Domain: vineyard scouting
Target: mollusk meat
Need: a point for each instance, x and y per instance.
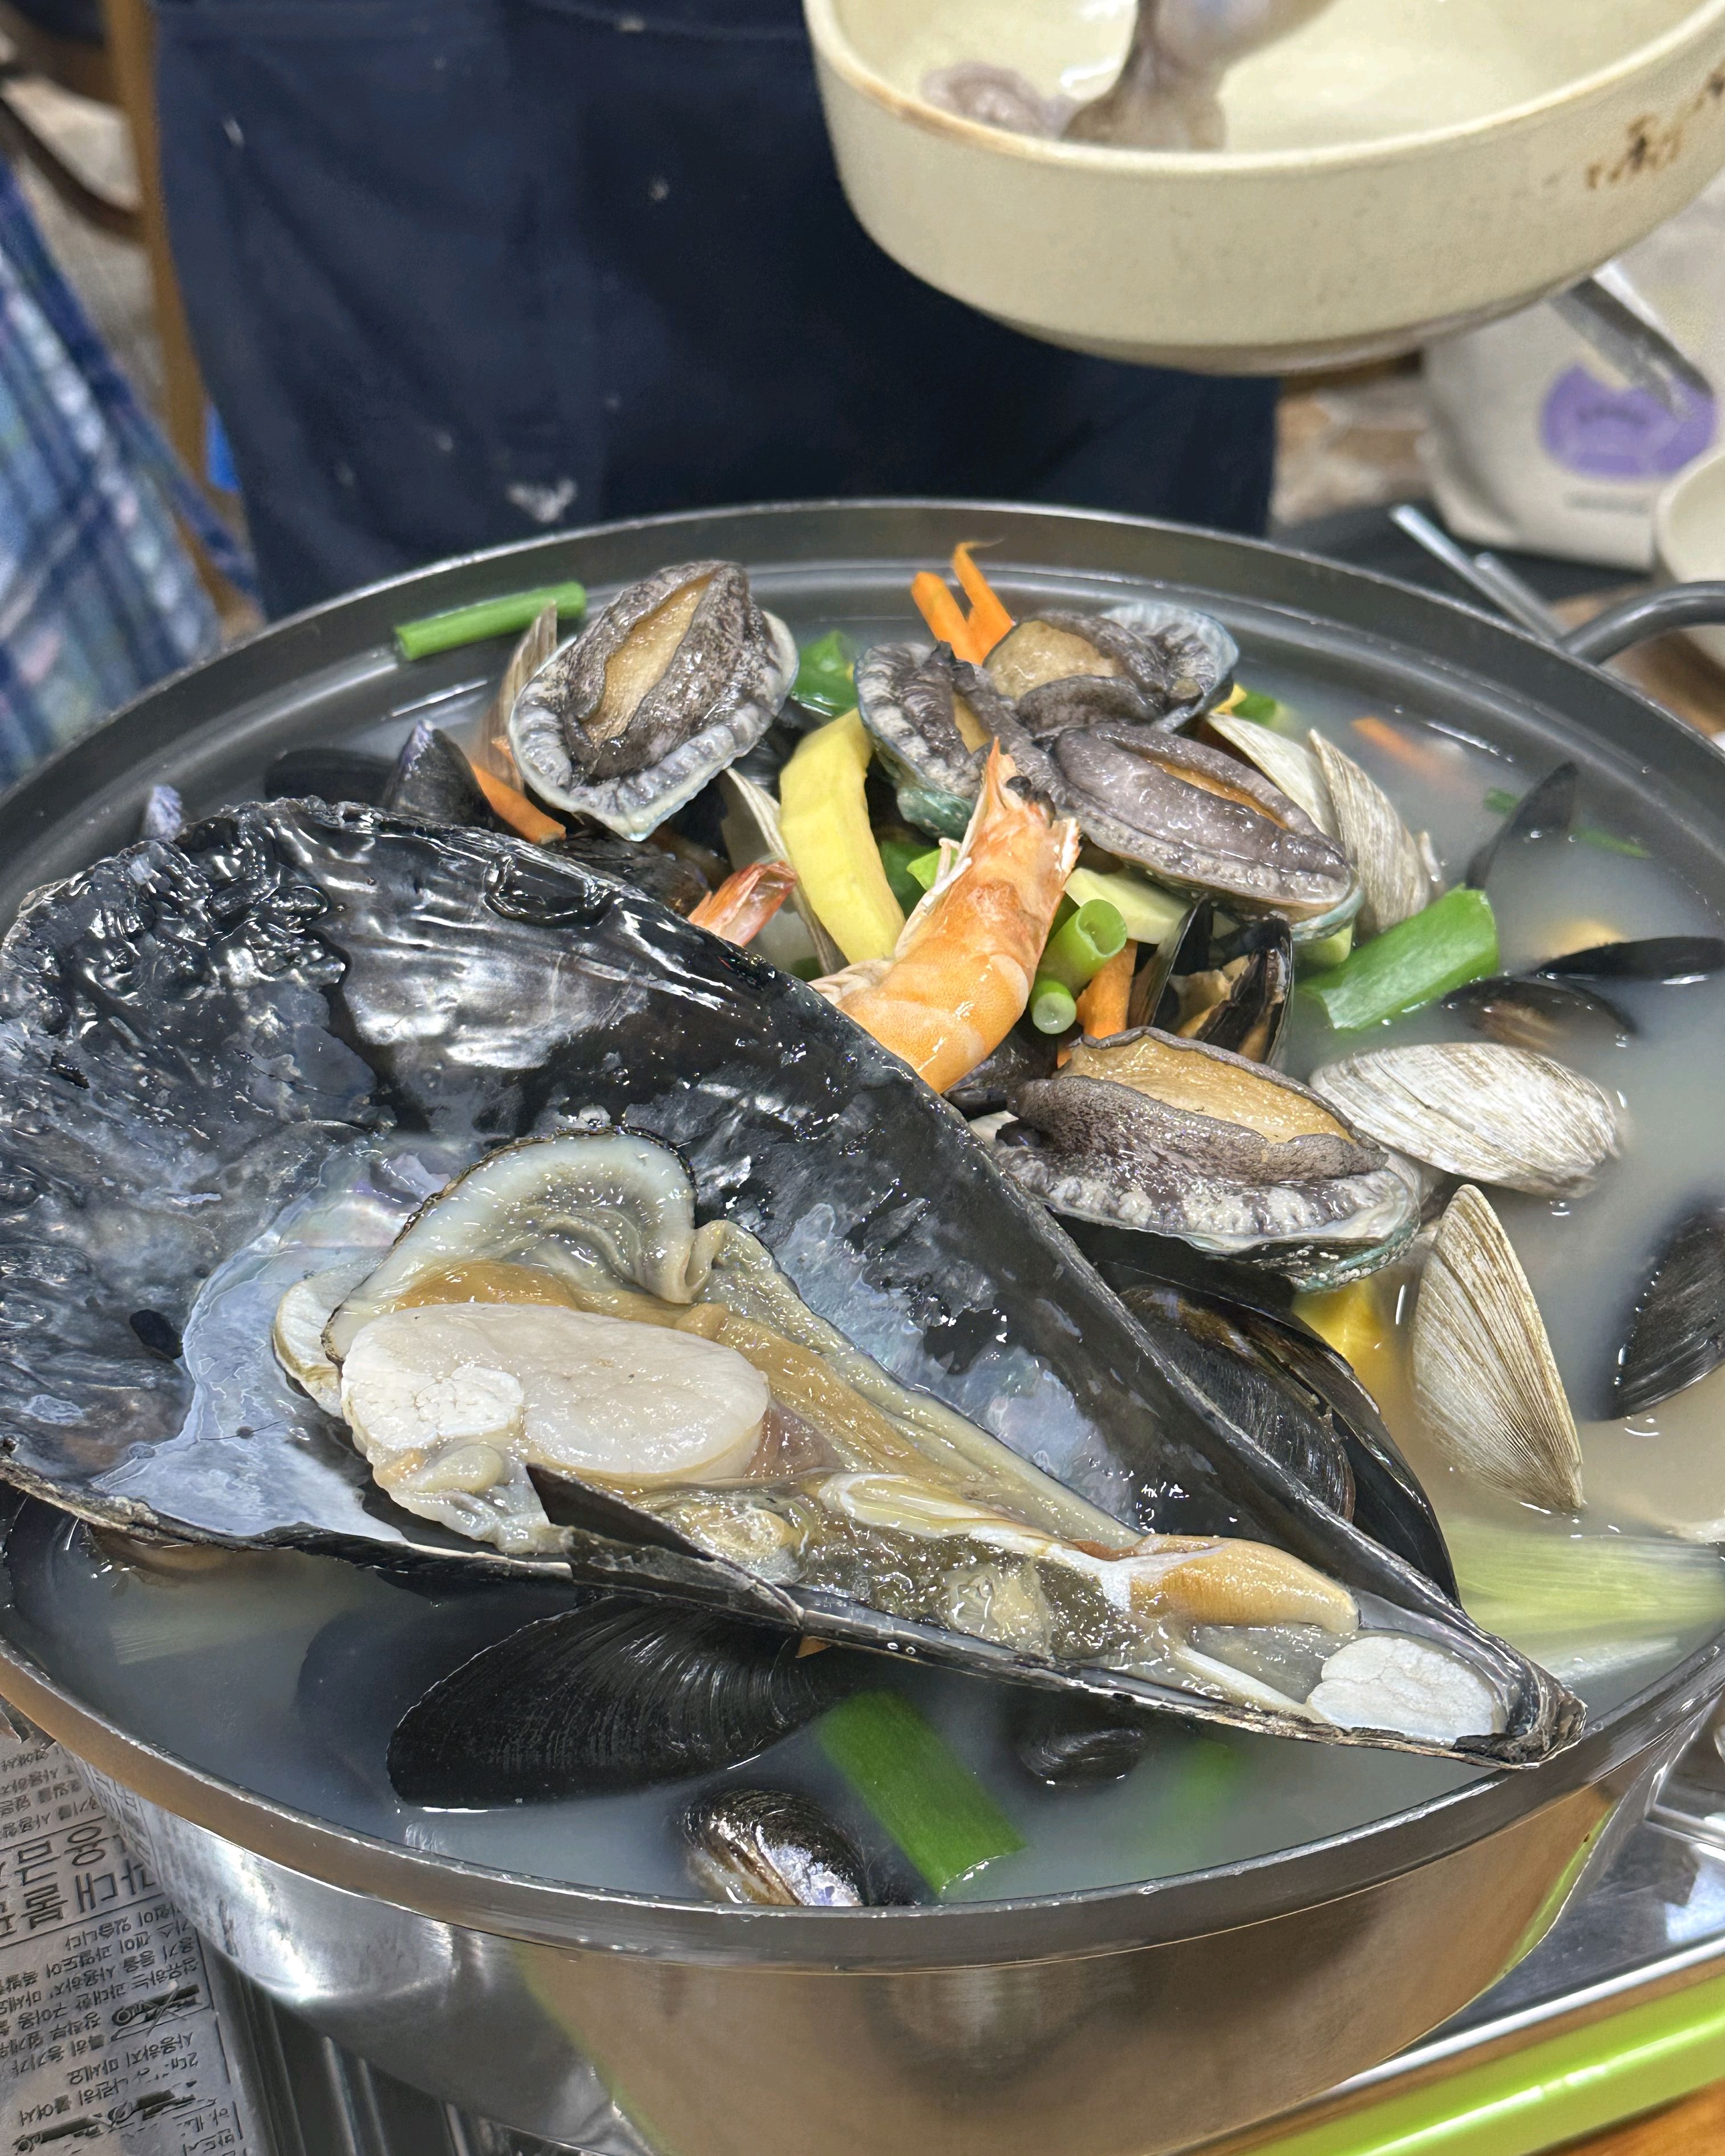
(1150, 1132)
(971, 1452)
(1478, 1109)
(680, 675)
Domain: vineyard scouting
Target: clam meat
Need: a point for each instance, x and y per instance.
(1478, 1109)
(682, 674)
(1176, 1138)
(850, 1384)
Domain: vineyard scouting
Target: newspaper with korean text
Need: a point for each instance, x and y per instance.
(110, 2037)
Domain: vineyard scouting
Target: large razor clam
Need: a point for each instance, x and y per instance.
(198, 1038)
(680, 675)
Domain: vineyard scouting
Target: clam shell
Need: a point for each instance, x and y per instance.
(1485, 1379)
(718, 694)
(189, 1033)
(1493, 1114)
(1287, 764)
(1394, 874)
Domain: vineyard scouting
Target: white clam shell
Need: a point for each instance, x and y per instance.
(1494, 1114)
(1392, 867)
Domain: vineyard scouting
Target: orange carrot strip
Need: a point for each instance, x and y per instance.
(989, 621)
(1102, 1007)
(941, 611)
(516, 809)
(744, 903)
(1415, 754)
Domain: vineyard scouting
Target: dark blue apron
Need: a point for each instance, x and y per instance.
(460, 270)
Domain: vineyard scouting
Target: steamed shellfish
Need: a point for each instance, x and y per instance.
(680, 675)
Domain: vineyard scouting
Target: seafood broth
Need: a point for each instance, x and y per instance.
(266, 1668)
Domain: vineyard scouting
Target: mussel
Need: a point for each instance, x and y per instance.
(678, 676)
(772, 1849)
(1066, 1740)
(250, 1010)
(1676, 1332)
(1545, 811)
(617, 1695)
(1497, 1115)
(1229, 990)
(432, 783)
(1528, 1011)
(1177, 1138)
(1671, 958)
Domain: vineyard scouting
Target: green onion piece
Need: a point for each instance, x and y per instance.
(1149, 911)
(1053, 1007)
(473, 624)
(896, 855)
(926, 1799)
(923, 869)
(1499, 802)
(1413, 963)
(1324, 953)
(1558, 1594)
(826, 675)
(1254, 705)
(1093, 934)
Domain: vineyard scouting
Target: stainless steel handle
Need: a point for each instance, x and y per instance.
(1650, 614)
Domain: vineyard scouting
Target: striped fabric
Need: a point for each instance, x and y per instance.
(98, 596)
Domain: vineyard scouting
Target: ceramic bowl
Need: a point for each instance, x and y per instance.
(1396, 169)
(1689, 537)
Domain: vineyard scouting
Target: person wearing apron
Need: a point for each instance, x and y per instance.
(464, 271)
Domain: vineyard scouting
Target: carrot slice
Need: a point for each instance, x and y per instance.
(989, 621)
(942, 612)
(1417, 756)
(1102, 1007)
(516, 809)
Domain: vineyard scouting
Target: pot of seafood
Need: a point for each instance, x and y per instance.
(831, 1359)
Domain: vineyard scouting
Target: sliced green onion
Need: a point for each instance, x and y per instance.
(1149, 911)
(826, 675)
(1080, 945)
(896, 855)
(473, 624)
(1552, 1592)
(1253, 704)
(923, 868)
(1453, 941)
(925, 1798)
(1501, 802)
(1053, 1007)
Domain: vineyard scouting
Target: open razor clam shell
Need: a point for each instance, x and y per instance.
(188, 1034)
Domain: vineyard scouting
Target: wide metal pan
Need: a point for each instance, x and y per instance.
(1121, 2022)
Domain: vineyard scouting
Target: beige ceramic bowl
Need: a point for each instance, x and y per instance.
(1689, 537)
(1396, 169)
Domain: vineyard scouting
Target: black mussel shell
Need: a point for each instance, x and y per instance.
(1024, 1053)
(432, 783)
(614, 1698)
(1218, 1353)
(1532, 1013)
(329, 771)
(1545, 811)
(772, 1849)
(1676, 1336)
(1250, 1019)
(1646, 959)
(1062, 1738)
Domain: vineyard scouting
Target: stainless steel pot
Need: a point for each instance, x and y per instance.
(1116, 2023)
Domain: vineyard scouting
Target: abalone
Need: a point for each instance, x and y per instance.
(682, 674)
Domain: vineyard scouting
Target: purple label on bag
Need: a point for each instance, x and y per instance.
(1603, 432)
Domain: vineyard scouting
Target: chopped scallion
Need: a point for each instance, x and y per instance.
(1453, 941)
(925, 1797)
(826, 675)
(1499, 802)
(473, 624)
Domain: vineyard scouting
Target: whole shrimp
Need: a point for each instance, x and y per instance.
(962, 970)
